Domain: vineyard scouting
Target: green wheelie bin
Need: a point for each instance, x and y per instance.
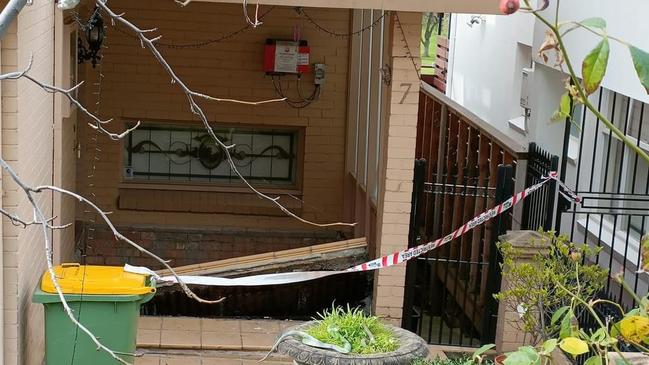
(104, 299)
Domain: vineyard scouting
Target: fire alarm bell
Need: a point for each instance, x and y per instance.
(286, 57)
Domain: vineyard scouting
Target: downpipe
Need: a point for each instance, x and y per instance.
(9, 14)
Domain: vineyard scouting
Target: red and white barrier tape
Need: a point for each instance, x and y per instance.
(385, 261)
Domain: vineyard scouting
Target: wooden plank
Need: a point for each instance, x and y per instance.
(439, 84)
(463, 297)
(471, 172)
(421, 120)
(441, 52)
(450, 171)
(442, 42)
(417, 6)
(518, 150)
(432, 168)
(258, 260)
(460, 182)
(480, 206)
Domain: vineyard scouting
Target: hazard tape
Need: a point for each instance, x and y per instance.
(382, 262)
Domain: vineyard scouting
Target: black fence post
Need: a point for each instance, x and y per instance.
(547, 226)
(539, 209)
(408, 320)
(504, 191)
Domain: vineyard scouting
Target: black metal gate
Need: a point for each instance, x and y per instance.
(538, 209)
(449, 291)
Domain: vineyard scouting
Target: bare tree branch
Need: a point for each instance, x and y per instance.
(20, 222)
(96, 123)
(149, 43)
(40, 219)
(120, 237)
(254, 23)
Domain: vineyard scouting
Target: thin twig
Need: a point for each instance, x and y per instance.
(96, 123)
(149, 43)
(20, 222)
(120, 237)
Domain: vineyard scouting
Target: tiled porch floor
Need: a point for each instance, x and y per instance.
(208, 334)
(203, 341)
(202, 358)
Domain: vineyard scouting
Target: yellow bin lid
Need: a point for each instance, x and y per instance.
(88, 279)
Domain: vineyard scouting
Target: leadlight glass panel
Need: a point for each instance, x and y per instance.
(188, 154)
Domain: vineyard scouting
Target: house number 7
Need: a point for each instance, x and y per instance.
(408, 86)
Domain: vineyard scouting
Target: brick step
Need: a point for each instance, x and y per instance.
(208, 357)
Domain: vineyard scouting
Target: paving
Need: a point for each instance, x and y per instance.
(205, 341)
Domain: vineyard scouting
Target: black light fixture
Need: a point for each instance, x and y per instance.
(94, 37)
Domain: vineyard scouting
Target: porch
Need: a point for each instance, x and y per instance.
(335, 151)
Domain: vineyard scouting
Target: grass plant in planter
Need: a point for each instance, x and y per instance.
(347, 337)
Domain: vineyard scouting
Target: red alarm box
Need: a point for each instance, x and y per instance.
(286, 57)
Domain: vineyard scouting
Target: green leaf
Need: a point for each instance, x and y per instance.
(556, 316)
(574, 346)
(566, 325)
(525, 355)
(564, 108)
(594, 23)
(615, 330)
(482, 350)
(595, 360)
(594, 66)
(549, 346)
(599, 335)
(641, 64)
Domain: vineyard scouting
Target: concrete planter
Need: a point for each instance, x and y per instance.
(634, 358)
(412, 347)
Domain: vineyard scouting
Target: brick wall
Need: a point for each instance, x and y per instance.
(185, 246)
(136, 87)
(394, 210)
(27, 144)
(9, 198)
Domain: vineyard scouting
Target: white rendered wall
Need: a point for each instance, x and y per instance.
(626, 20)
(486, 64)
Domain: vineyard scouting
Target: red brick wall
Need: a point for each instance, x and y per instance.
(189, 246)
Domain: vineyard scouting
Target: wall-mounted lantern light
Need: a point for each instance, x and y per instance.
(94, 33)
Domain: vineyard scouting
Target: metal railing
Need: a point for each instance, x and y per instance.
(613, 183)
(464, 167)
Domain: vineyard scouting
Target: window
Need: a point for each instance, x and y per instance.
(626, 174)
(182, 154)
(576, 121)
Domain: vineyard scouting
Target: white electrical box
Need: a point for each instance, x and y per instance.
(525, 87)
(319, 73)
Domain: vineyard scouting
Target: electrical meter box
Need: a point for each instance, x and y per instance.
(286, 57)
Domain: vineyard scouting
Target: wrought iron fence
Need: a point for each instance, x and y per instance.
(613, 184)
(463, 169)
(538, 208)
